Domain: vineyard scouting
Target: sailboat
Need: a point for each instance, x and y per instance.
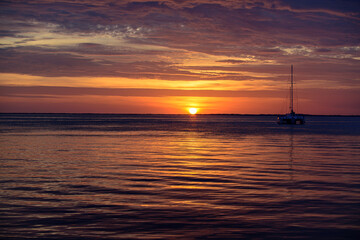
(292, 117)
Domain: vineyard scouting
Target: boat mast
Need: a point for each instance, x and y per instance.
(291, 91)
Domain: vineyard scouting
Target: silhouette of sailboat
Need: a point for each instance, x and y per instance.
(292, 117)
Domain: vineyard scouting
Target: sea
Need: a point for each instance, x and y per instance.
(116, 176)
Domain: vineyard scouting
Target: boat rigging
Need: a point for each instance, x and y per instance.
(292, 117)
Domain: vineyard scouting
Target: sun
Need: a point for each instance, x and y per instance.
(193, 111)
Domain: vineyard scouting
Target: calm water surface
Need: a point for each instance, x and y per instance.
(68, 176)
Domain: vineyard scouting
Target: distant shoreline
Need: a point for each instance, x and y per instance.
(220, 114)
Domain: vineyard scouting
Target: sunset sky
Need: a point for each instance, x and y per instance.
(165, 56)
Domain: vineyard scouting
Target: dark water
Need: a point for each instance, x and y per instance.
(65, 176)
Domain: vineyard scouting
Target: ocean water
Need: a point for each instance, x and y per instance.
(93, 176)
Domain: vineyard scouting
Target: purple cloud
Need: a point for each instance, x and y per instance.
(184, 40)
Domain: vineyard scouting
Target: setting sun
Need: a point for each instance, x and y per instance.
(193, 110)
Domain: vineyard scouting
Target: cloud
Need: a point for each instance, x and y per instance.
(339, 6)
(232, 61)
(243, 21)
(44, 62)
(252, 40)
(96, 60)
(36, 91)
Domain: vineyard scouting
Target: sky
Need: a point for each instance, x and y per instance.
(166, 56)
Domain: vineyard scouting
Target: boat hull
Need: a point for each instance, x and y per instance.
(294, 119)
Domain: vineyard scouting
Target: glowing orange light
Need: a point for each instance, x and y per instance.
(193, 110)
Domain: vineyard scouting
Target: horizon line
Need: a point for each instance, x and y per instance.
(243, 114)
